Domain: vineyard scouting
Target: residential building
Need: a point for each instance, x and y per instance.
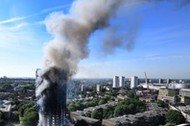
(134, 82)
(82, 88)
(115, 82)
(121, 81)
(98, 88)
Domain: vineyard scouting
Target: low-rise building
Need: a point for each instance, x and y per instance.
(154, 117)
(75, 117)
(185, 96)
(166, 94)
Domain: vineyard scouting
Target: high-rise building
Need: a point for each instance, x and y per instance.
(121, 81)
(115, 82)
(168, 81)
(98, 88)
(134, 82)
(51, 100)
(82, 88)
(160, 81)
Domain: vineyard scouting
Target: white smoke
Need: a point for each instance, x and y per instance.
(72, 31)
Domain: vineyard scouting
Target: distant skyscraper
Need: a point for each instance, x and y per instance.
(134, 82)
(115, 82)
(98, 88)
(121, 81)
(82, 88)
(168, 81)
(160, 81)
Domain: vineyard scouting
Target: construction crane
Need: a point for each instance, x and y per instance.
(146, 81)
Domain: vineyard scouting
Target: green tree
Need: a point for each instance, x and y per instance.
(88, 114)
(78, 106)
(97, 114)
(132, 108)
(162, 104)
(112, 98)
(173, 116)
(102, 101)
(169, 124)
(129, 106)
(29, 119)
(71, 107)
(90, 103)
(119, 110)
(131, 94)
(108, 112)
(28, 115)
(75, 106)
(24, 107)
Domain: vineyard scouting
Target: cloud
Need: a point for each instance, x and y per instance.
(159, 57)
(9, 28)
(54, 8)
(19, 26)
(12, 20)
(15, 37)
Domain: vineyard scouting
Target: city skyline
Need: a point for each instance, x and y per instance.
(161, 40)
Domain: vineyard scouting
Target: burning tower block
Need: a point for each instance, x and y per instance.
(51, 88)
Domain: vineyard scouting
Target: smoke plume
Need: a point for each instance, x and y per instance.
(183, 3)
(71, 32)
(113, 38)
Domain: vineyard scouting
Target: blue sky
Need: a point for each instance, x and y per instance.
(162, 44)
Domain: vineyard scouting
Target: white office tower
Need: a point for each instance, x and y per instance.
(160, 81)
(134, 82)
(115, 82)
(82, 88)
(168, 81)
(121, 81)
(98, 88)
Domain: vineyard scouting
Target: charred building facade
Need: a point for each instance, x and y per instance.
(51, 93)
